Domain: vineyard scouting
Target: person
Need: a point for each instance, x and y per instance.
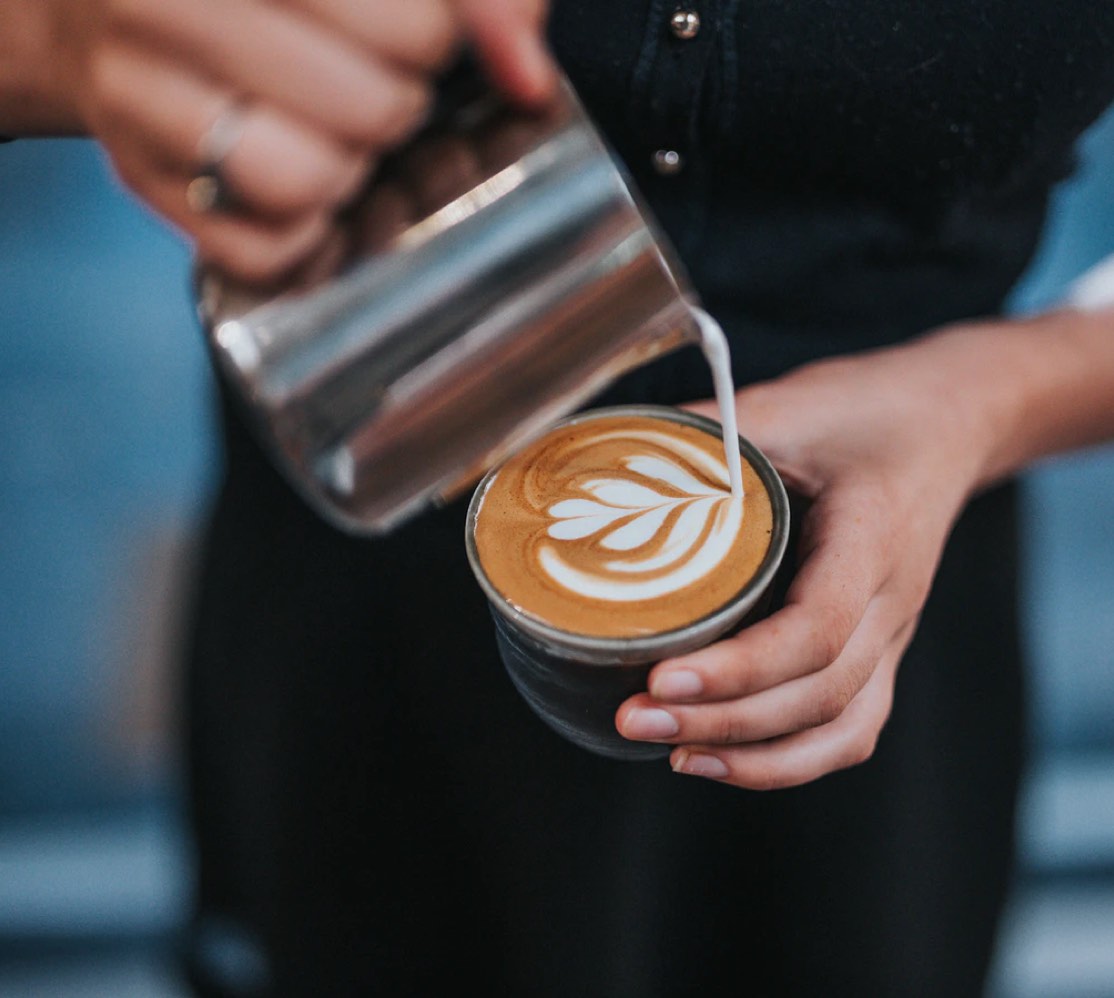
(854, 189)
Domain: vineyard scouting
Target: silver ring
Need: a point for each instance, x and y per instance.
(208, 191)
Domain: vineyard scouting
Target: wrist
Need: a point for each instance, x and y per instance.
(36, 96)
(1030, 388)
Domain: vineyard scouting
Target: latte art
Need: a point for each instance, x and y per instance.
(677, 527)
(622, 526)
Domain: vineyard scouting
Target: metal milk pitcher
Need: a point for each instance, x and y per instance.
(496, 273)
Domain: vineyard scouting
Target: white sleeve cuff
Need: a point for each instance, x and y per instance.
(1094, 290)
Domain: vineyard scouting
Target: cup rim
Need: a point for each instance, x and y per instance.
(599, 649)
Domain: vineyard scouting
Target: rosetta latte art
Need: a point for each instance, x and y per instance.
(658, 529)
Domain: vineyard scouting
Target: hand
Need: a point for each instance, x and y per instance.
(320, 90)
(887, 447)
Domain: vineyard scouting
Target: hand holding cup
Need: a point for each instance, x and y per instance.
(886, 448)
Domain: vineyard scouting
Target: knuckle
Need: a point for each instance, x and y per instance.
(299, 194)
(223, 254)
(728, 729)
(828, 707)
(833, 701)
(304, 188)
(240, 253)
(831, 624)
(861, 749)
(827, 631)
(395, 113)
(764, 777)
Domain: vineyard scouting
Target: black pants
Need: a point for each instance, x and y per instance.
(377, 813)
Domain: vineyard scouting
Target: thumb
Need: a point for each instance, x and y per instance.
(509, 36)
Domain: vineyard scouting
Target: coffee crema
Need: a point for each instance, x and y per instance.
(622, 526)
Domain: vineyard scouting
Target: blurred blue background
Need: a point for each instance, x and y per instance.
(107, 457)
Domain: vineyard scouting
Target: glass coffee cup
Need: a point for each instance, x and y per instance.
(574, 681)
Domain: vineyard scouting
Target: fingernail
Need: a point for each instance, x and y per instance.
(681, 684)
(649, 723)
(694, 764)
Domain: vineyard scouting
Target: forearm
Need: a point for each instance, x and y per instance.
(1033, 387)
(34, 99)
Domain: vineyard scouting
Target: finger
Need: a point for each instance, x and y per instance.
(281, 57)
(808, 702)
(842, 547)
(277, 164)
(249, 247)
(807, 755)
(508, 34)
(419, 35)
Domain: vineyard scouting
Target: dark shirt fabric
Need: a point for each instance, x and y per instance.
(855, 173)
(376, 810)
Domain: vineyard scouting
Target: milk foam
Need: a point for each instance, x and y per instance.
(665, 541)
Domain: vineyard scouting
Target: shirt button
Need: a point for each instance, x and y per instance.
(667, 162)
(685, 24)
